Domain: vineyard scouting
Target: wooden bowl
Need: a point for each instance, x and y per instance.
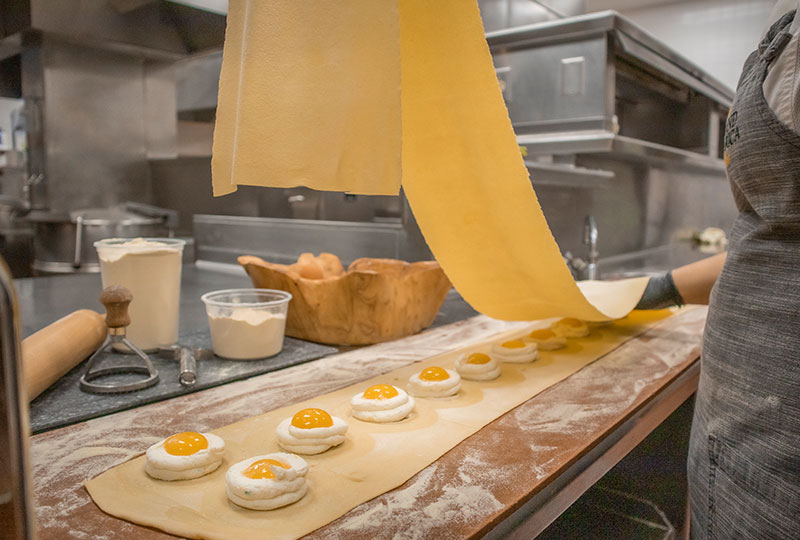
(375, 300)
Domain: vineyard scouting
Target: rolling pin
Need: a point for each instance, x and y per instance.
(51, 352)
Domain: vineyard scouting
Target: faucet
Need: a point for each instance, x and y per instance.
(585, 269)
(590, 239)
(27, 190)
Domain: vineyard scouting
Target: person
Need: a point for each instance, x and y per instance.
(744, 450)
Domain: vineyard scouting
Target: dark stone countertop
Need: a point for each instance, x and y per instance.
(46, 299)
(43, 300)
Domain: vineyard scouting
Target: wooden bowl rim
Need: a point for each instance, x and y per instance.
(404, 268)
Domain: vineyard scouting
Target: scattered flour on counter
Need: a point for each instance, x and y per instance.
(411, 513)
(394, 503)
(461, 500)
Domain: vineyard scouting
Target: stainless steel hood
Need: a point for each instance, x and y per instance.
(152, 28)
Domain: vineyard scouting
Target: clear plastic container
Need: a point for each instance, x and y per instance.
(247, 324)
(151, 269)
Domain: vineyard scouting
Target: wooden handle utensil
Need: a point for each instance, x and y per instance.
(51, 352)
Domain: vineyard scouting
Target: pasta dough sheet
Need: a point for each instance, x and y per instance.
(374, 459)
(466, 181)
(310, 95)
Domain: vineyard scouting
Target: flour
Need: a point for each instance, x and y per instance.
(247, 334)
(460, 500)
(151, 271)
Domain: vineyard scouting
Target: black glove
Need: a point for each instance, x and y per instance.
(660, 293)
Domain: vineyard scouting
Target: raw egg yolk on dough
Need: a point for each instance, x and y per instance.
(514, 344)
(569, 321)
(185, 444)
(312, 418)
(434, 374)
(478, 358)
(260, 469)
(542, 334)
(380, 391)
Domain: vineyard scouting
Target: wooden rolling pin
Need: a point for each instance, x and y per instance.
(51, 352)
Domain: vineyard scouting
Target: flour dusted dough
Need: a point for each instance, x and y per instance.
(357, 471)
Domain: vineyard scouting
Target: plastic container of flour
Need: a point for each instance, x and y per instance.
(247, 324)
(151, 269)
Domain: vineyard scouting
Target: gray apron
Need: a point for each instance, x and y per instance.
(744, 456)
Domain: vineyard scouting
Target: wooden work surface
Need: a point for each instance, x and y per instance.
(464, 494)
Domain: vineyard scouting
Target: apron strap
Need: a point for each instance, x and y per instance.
(777, 37)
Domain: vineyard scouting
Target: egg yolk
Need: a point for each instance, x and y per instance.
(542, 334)
(569, 321)
(312, 418)
(434, 374)
(514, 344)
(261, 469)
(478, 358)
(380, 391)
(185, 444)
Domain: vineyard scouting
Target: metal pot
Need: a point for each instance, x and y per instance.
(63, 243)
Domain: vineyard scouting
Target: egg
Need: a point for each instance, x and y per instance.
(570, 328)
(434, 381)
(382, 403)
(515, 351)
(546, 340)
(477, 367)
(267, 482)
(184, 456)
(311, 431)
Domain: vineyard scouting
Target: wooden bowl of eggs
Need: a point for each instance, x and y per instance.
(374, 300)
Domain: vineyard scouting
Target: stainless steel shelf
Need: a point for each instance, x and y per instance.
(596, 142)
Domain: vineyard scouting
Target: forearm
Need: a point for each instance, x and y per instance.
(690, 284)
(694, 281)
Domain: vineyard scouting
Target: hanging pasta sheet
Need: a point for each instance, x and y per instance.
(338, 95)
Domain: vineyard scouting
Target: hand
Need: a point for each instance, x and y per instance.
(660, 293)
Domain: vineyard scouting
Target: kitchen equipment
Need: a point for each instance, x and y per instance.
(51, 352)
(247, 324)
(375, 300)
(63, 241)
(187, 358)
(64, 403)
(116, 300)
(16, 508)
(150, 268)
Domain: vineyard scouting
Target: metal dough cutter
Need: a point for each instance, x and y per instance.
(116, 300)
